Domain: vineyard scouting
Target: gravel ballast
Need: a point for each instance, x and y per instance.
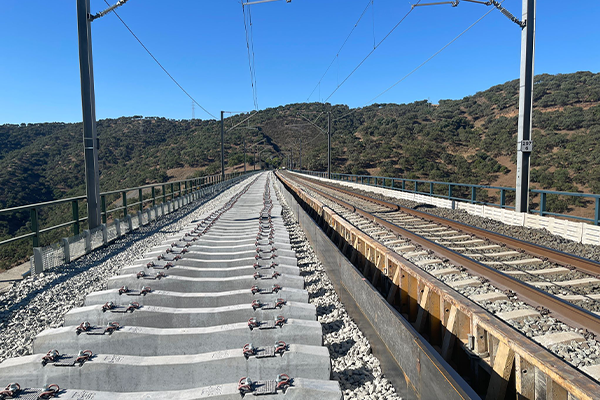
(40, 302)
(353, 365)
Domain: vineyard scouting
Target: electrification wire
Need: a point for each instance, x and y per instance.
(371, 52)
(430, 58)
(160, 65)
(250, 49)
(338, 52)
(236, 125)
(253, 59)
(109, 9)
(373, 14)
(422, 64)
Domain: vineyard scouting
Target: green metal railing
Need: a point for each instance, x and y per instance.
(155, 194)
(466, 192)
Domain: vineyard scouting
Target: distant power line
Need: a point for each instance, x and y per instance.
(159, 64)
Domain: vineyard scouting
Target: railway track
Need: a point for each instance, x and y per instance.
(547, 295)
(218, 310)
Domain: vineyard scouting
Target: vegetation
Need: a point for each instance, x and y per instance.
(472, 140)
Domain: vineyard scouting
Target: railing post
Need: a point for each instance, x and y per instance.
(103, 208)
(164, 189)
(66, 250)
(124, 195)
(450, 194)
(104, 234)
(172, 191)
(473, 194)
(431, 188)
(38, 261)
(597, 211)
(416, 186)
(75, 210)
(403, 184)
(141, 198)
(542, 203)
(87, 240)
(153, 197)
(35, 228)
(502, 198)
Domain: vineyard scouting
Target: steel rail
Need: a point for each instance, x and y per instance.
(561, 309)
(546, 253)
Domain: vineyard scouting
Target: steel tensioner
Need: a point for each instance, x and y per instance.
(14, 391)
(246, 385)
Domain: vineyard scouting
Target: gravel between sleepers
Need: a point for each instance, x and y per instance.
(40, 302)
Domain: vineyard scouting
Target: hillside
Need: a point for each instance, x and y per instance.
(472, 140)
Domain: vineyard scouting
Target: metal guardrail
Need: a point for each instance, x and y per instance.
(451, 188)
(155, 193)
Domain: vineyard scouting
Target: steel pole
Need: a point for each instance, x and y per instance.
(524, 144)
(329, 145)
(244, 155)
(88, 106)
(222, 149)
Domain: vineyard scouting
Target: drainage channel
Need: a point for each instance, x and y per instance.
(217, 311)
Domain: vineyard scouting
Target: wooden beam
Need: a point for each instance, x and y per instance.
(423, 310)
(435, 318)
(524, 379)
(413, 293)
(502, 369)
(391, 297)
(450, 335)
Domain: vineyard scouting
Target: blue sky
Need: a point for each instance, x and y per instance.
(202, 44)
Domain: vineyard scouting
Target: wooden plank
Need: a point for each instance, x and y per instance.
(377, 273)
(524, 379)
(555, 392)
(540, 385)
(503, 365)
(449, 336)
(391, 297)
(435, 319)
(423, 310)
(404, 303)
(413, 290)
(481, 341)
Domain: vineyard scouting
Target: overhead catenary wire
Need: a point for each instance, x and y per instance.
(372, 51)
(369, 4)
(159, 64)
(422, 64)
(250, 48)
(109, 9)
(246, 119)
(432, 56)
